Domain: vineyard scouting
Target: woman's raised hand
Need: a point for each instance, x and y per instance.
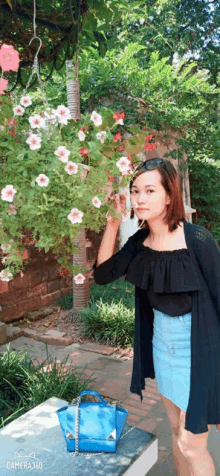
(119, 202)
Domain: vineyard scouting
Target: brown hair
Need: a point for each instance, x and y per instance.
(171, 183)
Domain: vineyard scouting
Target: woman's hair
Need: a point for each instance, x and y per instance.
(169, 179)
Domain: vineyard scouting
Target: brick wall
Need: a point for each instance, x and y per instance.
(40, 284)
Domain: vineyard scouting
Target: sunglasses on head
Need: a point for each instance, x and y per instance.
(150, 164)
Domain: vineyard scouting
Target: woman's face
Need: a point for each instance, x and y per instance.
(148, 193)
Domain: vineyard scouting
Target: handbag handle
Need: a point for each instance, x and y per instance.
(92, 392)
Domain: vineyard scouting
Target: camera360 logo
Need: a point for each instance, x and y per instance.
(25, 462)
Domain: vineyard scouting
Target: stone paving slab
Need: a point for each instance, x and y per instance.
(35, 440)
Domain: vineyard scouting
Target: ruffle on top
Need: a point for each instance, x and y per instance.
(163, 271)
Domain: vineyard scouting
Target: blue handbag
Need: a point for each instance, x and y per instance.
(92, 426)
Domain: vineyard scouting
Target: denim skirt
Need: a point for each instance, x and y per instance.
(172, 356)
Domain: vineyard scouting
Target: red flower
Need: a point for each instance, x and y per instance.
(117, 137)
(151, 146)
(118, 115)
(81, 129)
(108, 171)
(120, 148)
(84, 151)
(149, 137)
(111, 179)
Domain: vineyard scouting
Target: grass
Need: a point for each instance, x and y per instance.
(24, 385)
(108, 318)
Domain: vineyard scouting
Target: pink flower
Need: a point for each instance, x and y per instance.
(84, 151)
(42, 180)
(71, 168)
(18, 110)
(81, 135)
(101, 136)
(96, 202)
(124, 165)
(79, 278)
(63, 153)
(96, 118)
(5, 248)
(5, 276)
(8, 193)
(12, 210)
(37, 121)
(9, 58)
(63, 114)
(25, 101)
(75, 216)
(34, 141)
(3, 85)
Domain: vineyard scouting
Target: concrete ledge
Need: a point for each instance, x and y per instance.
(34, 443)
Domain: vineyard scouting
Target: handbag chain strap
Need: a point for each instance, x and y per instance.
(76, 452)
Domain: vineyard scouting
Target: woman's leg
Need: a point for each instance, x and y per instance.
(173, 413)
(194, 448)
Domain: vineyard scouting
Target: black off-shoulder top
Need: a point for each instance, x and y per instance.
(167, 278)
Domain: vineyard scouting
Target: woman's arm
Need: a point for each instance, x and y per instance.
(113, 267)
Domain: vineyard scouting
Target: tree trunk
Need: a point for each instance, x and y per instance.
(80, 291)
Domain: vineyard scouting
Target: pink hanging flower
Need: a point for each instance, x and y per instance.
(8, 193)
(34, 141)
(37, 121)
(81, 135)
(63, 114)
(124, 165)
(3, 85)
(9, 58)
(96, 202)
(96, 118)
(101, 136)
(42, 180)
(18, 110)
(63, 153)
(71, 168)
(79, 278)
(75, 216)
(25, 101)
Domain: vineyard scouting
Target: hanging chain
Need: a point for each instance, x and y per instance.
(76, 452)
(36, 65)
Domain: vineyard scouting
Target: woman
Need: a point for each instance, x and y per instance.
(175, 267)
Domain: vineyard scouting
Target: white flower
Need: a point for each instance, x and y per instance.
(18, 110)
(63, 114)
(101, 136)
(5, 248)
(120, 121)
(63, 153)
(51, 115)
(123, 164)
(81, 135)
(5, 275)
(79, 278)
(1, 128)
(141, 21)
(8, 193)
(71, 168)
(125, 171)
(108, 216)
(96, 202)
(96, 118)
(37, 121)
(34, 141)
(25, 101)
(126, 216)
(42, 180)
(75, 215)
